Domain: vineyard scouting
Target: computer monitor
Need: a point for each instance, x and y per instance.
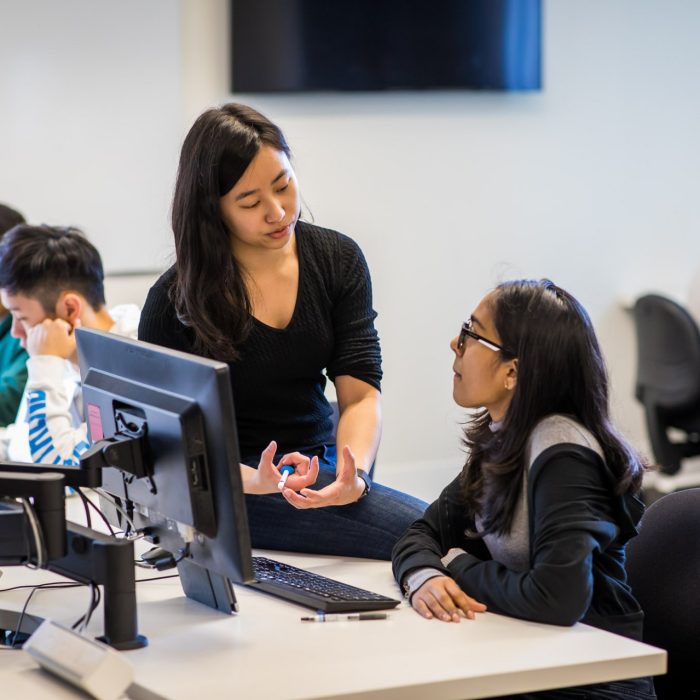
(184, 487)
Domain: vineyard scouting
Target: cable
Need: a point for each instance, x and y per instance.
(35, 588)
(156, 578)
(41, 557)
(87, 502)
(161, 559)
(52, 584)
(111, 499)
(21, 616)
(184, 552)
(84, 620)
(98, 597)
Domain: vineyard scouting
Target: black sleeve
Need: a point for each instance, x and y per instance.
(159, 323)
(443, 525)
(570, 518)
(356, 349)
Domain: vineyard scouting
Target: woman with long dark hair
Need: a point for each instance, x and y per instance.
(282, 301)
(535, 525)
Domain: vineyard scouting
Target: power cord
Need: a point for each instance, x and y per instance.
(95, 598)
(41, 556)
(161, 559)
(87, 503)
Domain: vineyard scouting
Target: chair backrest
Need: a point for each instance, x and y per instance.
(663, 566)
(668, 353)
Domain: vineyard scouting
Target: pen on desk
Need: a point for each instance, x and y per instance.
(322, 617)
(285, 470)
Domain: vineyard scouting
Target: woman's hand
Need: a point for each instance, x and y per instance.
(346, 488)
(442, 598)
(305, 471)
(265, 478)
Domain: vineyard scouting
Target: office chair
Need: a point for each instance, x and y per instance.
(663, 567)
(668, 377)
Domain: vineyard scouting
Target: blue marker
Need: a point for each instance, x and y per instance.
(285, 470)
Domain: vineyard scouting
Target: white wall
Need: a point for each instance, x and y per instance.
(589, 182)
(90, 119)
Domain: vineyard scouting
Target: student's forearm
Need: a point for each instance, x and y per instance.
(53, 435)
(360, 427)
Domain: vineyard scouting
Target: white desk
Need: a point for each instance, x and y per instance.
(267, 652)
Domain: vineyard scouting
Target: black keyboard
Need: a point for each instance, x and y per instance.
(313, 590)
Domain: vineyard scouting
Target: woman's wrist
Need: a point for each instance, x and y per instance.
(253, 481)
(364, 482)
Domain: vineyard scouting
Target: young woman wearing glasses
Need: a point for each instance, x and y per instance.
(285, 303)
(536, 523)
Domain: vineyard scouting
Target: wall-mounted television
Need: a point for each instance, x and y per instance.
(365, 45)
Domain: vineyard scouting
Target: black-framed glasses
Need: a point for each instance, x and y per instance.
(468, 332)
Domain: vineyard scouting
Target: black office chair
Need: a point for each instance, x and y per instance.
(668, 377)
(663, 566)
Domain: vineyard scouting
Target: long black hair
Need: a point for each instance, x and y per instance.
(560, 371)
(208, 291)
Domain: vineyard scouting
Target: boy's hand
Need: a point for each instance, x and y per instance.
(52, 337)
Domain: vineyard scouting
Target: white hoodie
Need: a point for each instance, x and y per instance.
(49, 427)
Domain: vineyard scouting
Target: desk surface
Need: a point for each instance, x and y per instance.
(267, 652)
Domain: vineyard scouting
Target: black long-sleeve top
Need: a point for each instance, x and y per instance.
(578, 529)
(278, 382)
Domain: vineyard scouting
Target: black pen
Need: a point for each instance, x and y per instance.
(322, 617)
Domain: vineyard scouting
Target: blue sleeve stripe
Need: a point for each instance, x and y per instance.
(79, 449)
(36, 400)
(36, 444)
(40, 456)
(40, 441)
(37, 432)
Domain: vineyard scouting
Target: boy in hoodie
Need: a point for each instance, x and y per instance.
(52, 281)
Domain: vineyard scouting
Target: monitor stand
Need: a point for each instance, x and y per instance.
(207, 587)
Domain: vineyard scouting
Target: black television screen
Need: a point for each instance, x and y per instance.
(363, 45)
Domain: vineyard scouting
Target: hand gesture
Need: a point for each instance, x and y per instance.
(267, 475)
(52, 337)
(346, 488)
(305, 471)
(442, 598)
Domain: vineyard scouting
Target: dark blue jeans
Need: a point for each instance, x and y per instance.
(368, 528)
(635, 689)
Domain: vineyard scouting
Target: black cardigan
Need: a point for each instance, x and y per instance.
(578, 529)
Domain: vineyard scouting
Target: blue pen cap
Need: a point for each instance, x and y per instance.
(287, 469)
